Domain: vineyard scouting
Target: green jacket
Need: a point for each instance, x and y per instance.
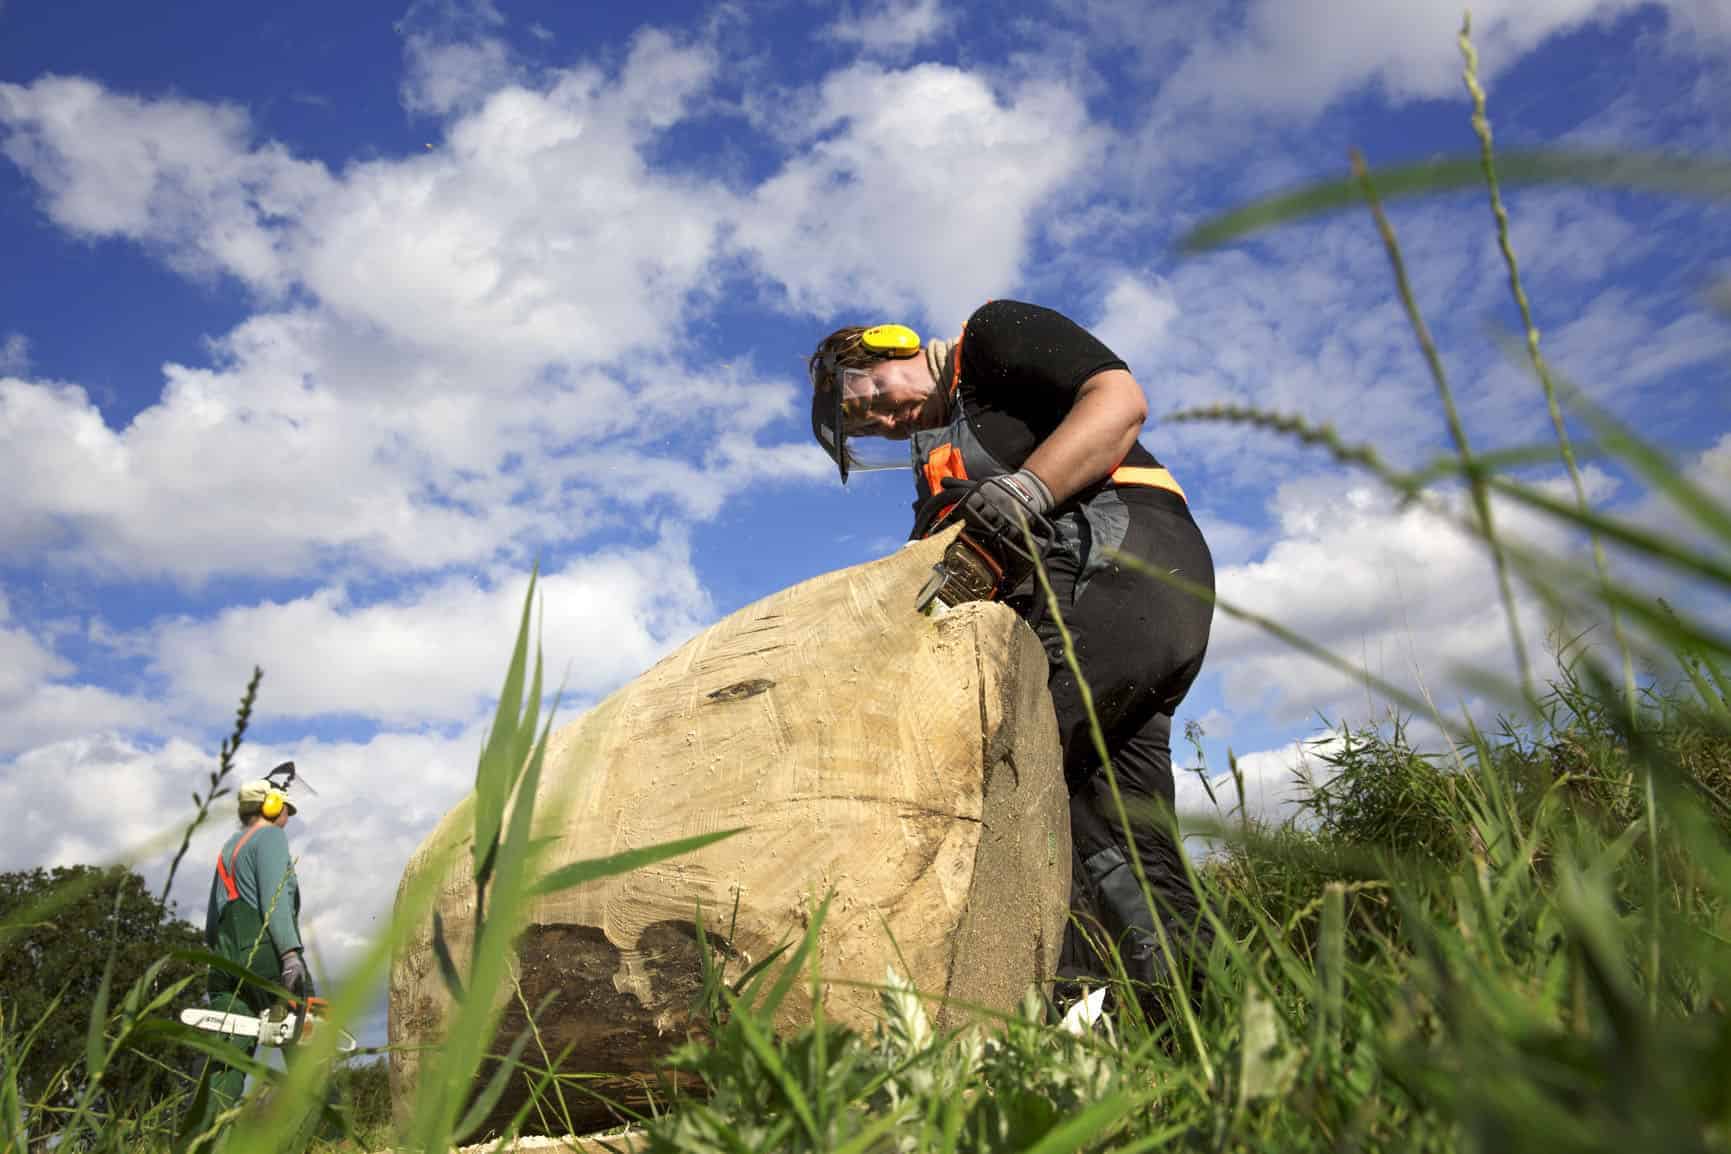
(262, 920)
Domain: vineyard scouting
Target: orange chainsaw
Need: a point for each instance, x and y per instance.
(980, 564)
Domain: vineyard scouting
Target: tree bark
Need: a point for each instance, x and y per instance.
(910, 764)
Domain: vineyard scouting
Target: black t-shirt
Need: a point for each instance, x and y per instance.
(1022, 366)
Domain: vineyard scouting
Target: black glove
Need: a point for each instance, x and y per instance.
(997, 507)
(294, 973)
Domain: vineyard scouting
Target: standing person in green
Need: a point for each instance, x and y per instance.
(253, 921)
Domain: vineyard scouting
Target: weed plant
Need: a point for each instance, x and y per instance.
(1518, 942)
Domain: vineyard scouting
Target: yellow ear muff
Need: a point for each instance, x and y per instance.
(273, 803)
(891, 340)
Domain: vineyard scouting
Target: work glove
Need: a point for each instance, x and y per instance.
(294, 973)
(992, 507)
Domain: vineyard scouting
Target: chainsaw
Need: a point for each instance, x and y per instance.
(977, 565)
(285, 1025)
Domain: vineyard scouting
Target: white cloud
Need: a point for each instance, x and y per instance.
(1273, 782)
(1406, 594)
(914, 191)
(313, 445)
(1699, 25)
(14, 355)
(1137, 316)
(87, 799)
(891, 27)
(538, 233)
(39, 699)
(1714, 468)
(1305, 329)
(1621, 345)
(452, 57)
(1293, 58)
(436, 653)
(263, 466)
(1304, 321)
(446, 77)
(178, 175)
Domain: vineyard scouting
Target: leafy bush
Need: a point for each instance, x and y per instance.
(52, 970)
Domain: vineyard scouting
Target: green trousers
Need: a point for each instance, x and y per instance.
(227, 1083)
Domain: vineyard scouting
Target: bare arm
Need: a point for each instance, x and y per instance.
(1091, 441)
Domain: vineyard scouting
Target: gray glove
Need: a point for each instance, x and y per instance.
(294, 973)
(994, 505)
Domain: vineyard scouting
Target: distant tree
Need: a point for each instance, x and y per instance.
(65, 954)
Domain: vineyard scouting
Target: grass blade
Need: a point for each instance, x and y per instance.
(1086, 1126)
(1637, 172)
(583, 872)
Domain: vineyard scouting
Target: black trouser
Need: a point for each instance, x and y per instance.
(1139, 642)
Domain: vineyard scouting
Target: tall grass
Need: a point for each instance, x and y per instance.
(1518, 941)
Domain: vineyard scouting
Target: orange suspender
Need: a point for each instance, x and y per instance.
(224, 870)
(956, 361)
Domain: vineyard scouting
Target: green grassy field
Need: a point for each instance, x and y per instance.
(1516, 941)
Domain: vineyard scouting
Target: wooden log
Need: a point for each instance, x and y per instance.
(908, 763)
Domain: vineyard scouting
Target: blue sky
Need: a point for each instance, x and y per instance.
(316, 332)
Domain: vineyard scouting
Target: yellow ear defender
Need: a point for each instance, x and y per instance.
(891, 340)
(274, 800)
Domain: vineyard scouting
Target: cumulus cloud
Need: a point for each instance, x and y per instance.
(181, 176)
(1294, 59)
(258, 467)
(1713, 468)
(465, 303)
(308, 447)
(892, 27)
(434, 654)
(40, 699)
(1407, 594)
(452, 55)
(92, 797)
(1273, 782)
(490, 350)
(14, 355)
(1304, 321)
(538, 233)
(914, 191)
